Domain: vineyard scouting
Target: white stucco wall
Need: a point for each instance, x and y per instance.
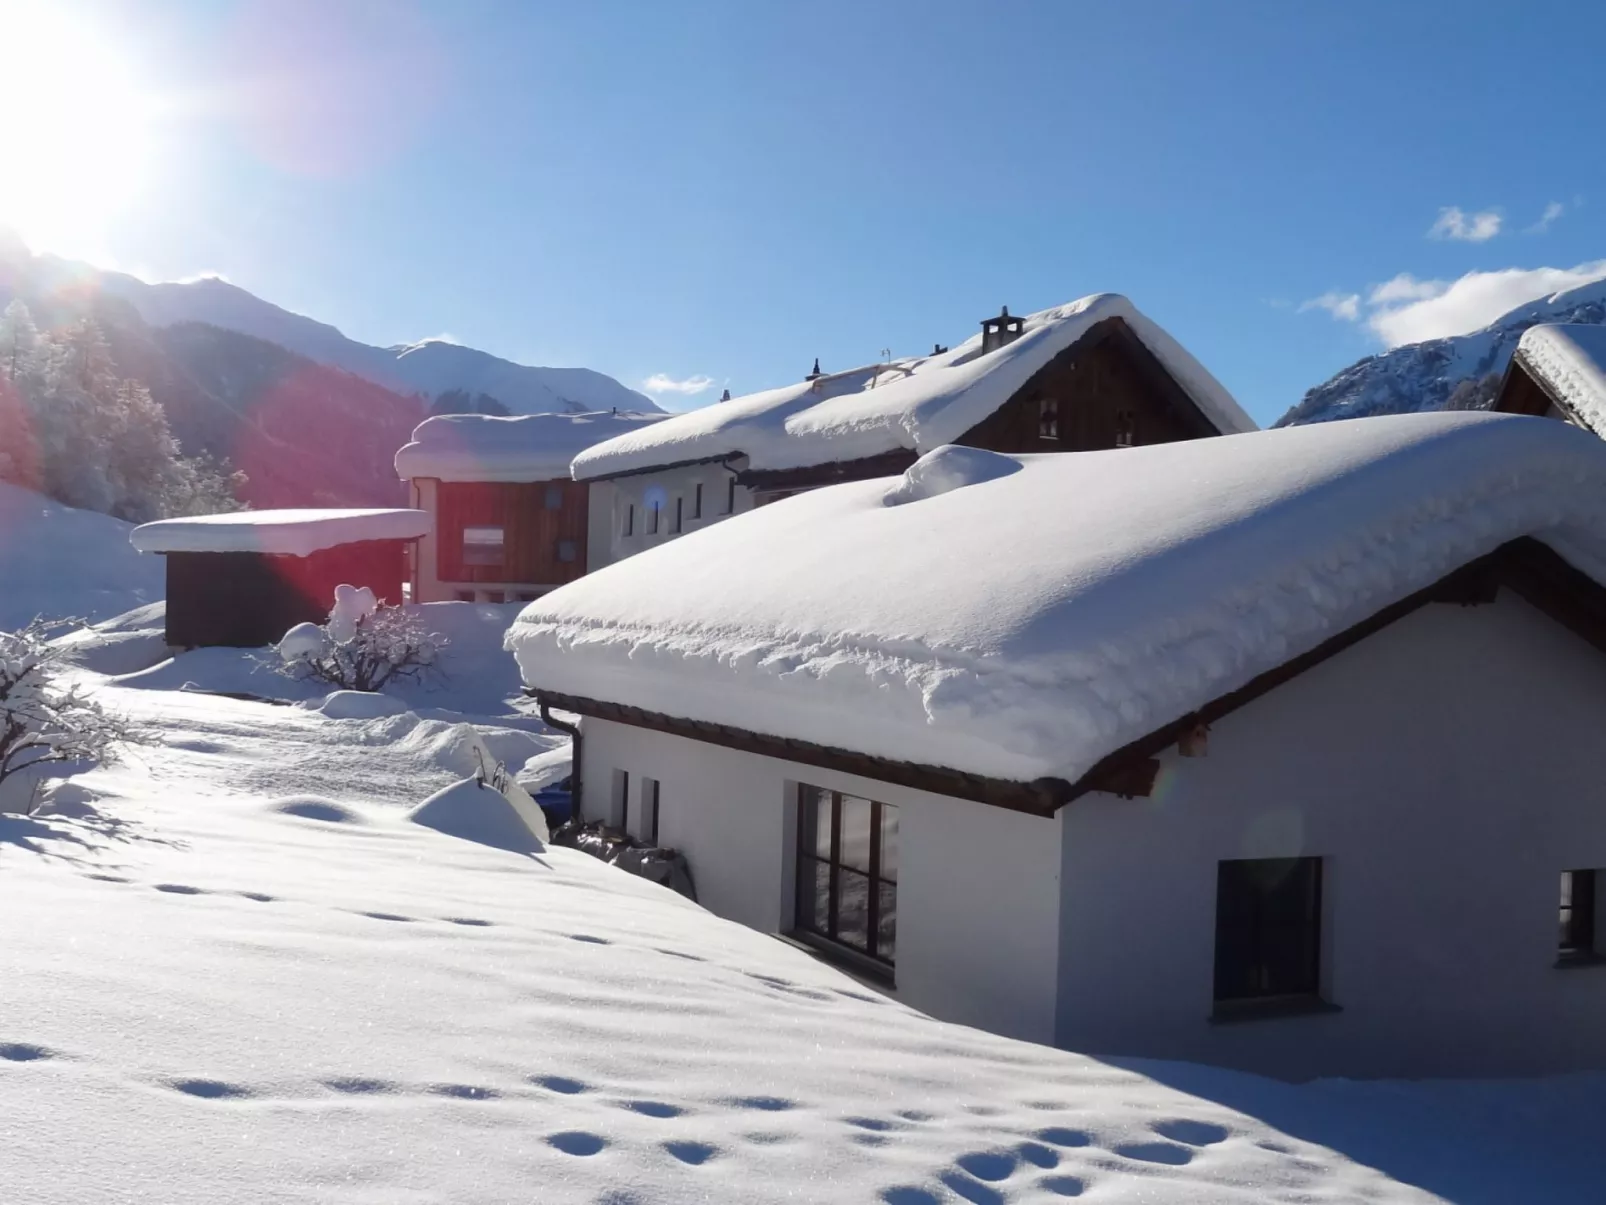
(978, 917)
(1447, 769)
(611, 500)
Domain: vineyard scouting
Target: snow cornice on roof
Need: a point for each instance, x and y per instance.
(1023, 618)
(280, 532)
(1569, 364)
(913, 404)
(522, 448)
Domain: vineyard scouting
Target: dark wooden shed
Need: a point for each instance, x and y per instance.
(243, 581)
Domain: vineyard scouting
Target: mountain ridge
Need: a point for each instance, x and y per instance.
(1433, 375)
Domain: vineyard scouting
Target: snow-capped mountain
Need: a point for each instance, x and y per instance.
(1423, 376)
(429, 368)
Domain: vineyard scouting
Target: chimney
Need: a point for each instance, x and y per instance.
(726, 396)
(816, 374)
(937, 349)
(996, 332)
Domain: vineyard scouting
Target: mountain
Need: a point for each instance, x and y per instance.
(429, 368)
(1426, 376)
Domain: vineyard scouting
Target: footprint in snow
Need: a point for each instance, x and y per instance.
(765, 1104)
(467, 920)
(577, 1142)
(1038, 1154)
(652, 1108)
(210, 1089)
(359, 1086)
(907, 1194)
(1062, 1186)
(260, 897)
(463, 1091)
(1060, 1136)
(1194, 1133)
(108, 878)
(694, 1153)
(970, 1189)
(590, 940)
(24, 1052)
(559, 1083)
(391, 916)
(989, 1165)
(179, 889)
(683, 954)
(1156, 1152)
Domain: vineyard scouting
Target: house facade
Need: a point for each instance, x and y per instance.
(509, 523)
(1092, 374)
(1308, 787)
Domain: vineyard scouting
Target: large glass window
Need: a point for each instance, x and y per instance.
(1268, 928)
(847, 871)
(1576, 939)
(482, 545)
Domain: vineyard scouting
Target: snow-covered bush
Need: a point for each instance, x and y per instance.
(363, 645)
(45, 720)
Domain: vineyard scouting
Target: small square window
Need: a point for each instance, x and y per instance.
(482, 545)
(1576, 917)
(649, 811)
(1048, 418)
(697, 501)
(730, 496)
(1268, 929)
(630, 520)
(568, 551)
(554, 497)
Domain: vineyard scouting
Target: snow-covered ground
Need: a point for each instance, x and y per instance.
(237, 972)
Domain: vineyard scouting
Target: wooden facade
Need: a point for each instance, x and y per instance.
(1521, 393)
(542, 524)
(1105, 391)
(250, 599)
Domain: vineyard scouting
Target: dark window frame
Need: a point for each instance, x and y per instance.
(554, 498)
(680, 520)
(1048, 418)
(653, 514)
(630, 520)
(1576, 937)
(649, 808)
(697, 501)
(572, 547)
(806, 860)
(1268, 933)
(730, 496)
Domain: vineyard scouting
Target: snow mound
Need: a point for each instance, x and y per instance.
(533, 447)
(1570, 361)
(280, 532)
(314, 807)
(356, 705)
(59, 562)
(919, 403)
(472, 811)
(948, 468)
(1028, 627)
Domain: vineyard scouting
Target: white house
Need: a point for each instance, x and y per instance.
(509, 523)
(1092, 374)
(1558, 371)
(1279, 751)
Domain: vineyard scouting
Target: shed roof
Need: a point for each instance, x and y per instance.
(1024, 617)
(279, 532)
(529, 447)
(915, 404)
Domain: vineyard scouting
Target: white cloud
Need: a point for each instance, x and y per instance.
(204, 274)
(1453, 223)
(1473, 301)
(662, 382)
(1404, 287)
(1552, 211)
(1344, 306)
(443, 337)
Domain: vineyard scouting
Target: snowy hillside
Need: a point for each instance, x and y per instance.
(242, 969)
(1422, 376)
(58, 562)
(429, 368)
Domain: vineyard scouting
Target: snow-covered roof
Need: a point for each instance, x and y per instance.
(916, 404)
(281, 532)
(1023, 617)
(533, 447)
(1570, 361)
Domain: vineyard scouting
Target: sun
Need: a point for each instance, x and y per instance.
(78, 141)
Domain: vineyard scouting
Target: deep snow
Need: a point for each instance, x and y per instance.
(299, 532)
(919, 403)
(1030, 622)
(237, 973)
(1571, 361)
(531, 447)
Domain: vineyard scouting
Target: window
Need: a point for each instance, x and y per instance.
(730, 496)
(679, 506)
(619, 805)
(1048, 418)
(847, 871)
(1126, 428)
(652, 520)
(630, 520)
(463, 595)
(1576, 938)
(649, 811)
(568, 551)
(482, 545)
(1268, 929)
(554, 497)
(697, 501)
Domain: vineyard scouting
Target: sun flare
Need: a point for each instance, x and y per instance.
(79, 140)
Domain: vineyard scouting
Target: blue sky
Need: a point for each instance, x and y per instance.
(719, 190)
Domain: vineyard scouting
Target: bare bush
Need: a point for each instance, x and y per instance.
(364, 646)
